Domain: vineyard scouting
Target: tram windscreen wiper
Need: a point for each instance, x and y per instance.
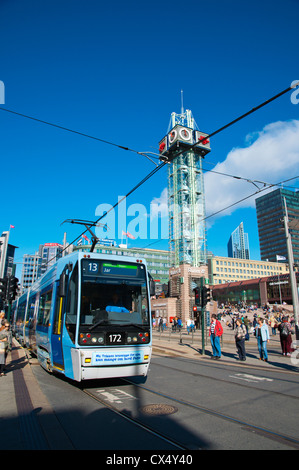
(136, 326)
(97, 324)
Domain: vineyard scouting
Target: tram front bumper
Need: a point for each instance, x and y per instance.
(107, 362)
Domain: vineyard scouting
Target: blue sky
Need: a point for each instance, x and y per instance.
(115, 70)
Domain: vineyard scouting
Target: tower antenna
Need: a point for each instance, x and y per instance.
(182, 102)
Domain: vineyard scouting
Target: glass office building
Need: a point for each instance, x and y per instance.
(238, 244)
(270, 212)
(36, 265)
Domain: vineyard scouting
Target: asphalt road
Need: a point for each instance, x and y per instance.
(185, 405)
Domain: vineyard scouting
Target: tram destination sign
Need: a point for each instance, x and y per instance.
(103, 268)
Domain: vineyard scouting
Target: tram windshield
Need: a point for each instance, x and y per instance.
(113, 293)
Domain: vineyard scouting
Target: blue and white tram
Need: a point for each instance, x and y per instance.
(88, 317)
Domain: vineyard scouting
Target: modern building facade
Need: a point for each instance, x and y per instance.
(260, 291)
(36, 265)
(270, 211)
(238, 244)
(50, 253)
(224, 270)
(31, 270)
(7, 253)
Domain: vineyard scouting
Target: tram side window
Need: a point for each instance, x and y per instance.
(21, 313)
(44, 309)
(30, 310)
(72, 304)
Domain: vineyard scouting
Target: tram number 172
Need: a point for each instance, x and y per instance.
(115, 338)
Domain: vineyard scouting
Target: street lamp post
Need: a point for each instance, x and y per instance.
(292, 271)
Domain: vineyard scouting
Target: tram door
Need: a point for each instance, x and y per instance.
(56, 338)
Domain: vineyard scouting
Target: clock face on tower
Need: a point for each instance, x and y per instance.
(185, 134)
(172, 136)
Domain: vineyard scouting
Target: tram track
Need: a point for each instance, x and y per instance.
(146, 425)
(138, 422)
(284, 439)
(217, 379)
(180, 403)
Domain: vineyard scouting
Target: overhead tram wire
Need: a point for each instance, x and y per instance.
(250, 195)
(77, 132)
(128, 149)
(208, 136)
(253, 110)
(238, 202)
(145, 153)
(155, 170)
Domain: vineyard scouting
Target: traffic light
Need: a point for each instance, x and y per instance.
(3, 288)
(197, 300)
(12, 288)
(205, 296)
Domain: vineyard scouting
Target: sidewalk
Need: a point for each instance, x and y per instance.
(168, 343)
(27, 421)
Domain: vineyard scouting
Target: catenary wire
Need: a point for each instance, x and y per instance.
(237, 202)
(254, 109)
(76, 132)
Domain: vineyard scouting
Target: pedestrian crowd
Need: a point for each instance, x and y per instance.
(176, 324)
(243, 327)
(259, 327)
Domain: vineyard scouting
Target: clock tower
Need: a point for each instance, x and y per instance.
(184, 148)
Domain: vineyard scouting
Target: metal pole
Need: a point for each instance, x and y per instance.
(291, 269)
(5, 236)
(203, 331)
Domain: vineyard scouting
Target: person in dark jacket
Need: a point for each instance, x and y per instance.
(285, 331)
(240, 339)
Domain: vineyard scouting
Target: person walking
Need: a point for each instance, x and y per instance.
(262, 336)
(285, 332)
(272, 324)
(5, 341)
(240, 339)
(215, 333)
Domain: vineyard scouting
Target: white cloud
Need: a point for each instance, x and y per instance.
(159, 205)
(272, 157)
